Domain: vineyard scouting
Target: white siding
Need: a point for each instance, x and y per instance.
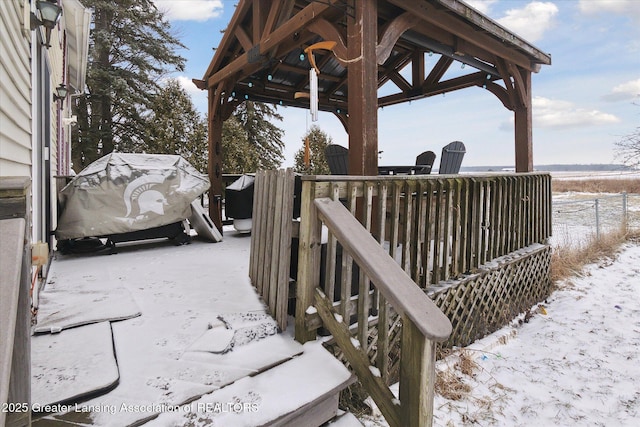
(15, 90)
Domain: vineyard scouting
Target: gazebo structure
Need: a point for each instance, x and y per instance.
(268, 48)
(407, 261)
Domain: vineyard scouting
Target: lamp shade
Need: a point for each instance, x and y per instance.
(49, 13)
(62, 91)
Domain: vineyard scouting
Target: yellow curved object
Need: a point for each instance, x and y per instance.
(325, 45)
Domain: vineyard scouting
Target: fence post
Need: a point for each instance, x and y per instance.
(625, 212)
(597, 219)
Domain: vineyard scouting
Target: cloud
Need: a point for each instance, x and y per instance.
(629, 7)
(551, 113)
(188, 85)
(532, 21)
(625, 91)
(190, 10)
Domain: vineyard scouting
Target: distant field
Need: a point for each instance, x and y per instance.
(596, 182)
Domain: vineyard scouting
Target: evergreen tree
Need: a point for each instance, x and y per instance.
(238, 155)
(318, 141)
(264, 138)
(174, 126)
(130, 48)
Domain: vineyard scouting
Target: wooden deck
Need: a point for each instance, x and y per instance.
(171, 368)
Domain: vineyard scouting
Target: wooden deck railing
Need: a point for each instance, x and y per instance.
(15, 314)
(441, 227)
(423, 324)
(392, 243)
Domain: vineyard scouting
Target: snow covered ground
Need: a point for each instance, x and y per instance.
(575, 362)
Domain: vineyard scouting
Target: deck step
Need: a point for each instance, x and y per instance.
(347, 419)
(301, 391)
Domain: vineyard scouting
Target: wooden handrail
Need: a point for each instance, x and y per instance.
(423, 324)
(11, 253)
(390, 279)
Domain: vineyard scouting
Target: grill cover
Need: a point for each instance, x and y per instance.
(124, 192)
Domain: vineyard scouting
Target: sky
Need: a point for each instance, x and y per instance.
(584, 102)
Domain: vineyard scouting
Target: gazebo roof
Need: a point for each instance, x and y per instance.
(261, 56)
(358, 46)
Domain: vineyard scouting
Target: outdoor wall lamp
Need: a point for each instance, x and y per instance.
(50, 13)
(61, 93)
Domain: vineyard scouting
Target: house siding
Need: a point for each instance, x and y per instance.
(15, 90)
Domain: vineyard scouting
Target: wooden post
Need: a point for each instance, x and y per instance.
(523, 125)
(417, 376)
(362, 37)
(214, 166)
(308, 261)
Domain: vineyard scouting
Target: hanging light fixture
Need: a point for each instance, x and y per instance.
(50, 14)
(61, 93)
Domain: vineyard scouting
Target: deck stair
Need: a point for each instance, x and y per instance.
(303, 391)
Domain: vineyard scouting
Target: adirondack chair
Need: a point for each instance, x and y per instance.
(337, 158)
(451, 158)
(426, 160)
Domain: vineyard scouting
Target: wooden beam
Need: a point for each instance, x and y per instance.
(287, 30)
(457, 83)
(523, 128)
(400, 81)
(243, 38)
(227, 38)
(258, 18)
(392, 32)
(501, 93)
(503, 69)
(362, 36)
(398, 63)
(417, 68)
(328, 31)
(456, 26)
(437, 72)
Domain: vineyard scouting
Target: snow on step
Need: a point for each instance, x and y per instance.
(345, 420)
(259, 400)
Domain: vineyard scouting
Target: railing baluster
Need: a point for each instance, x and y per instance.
(484, 222)
(407, 226)
(330, 261)
(437, 232)
(447, 228)
(455, 225)
(464, 224)
(417, 233)
(364, 300)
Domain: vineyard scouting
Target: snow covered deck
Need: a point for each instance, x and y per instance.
(189, 324)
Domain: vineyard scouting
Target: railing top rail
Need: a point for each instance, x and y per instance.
(12, 232)
(488, 175)
(396, 286)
